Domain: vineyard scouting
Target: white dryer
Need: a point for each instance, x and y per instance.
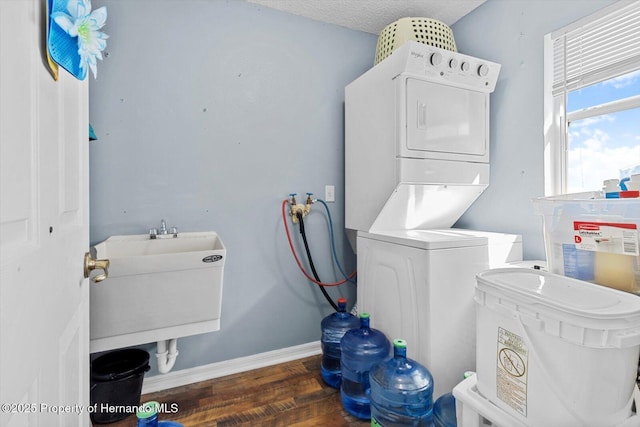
(416, 139)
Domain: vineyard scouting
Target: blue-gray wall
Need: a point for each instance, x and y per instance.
(511, 33)
(209, 113)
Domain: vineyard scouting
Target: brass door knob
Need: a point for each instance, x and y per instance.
(95, 264)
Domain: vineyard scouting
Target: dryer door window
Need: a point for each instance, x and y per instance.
(445, 119)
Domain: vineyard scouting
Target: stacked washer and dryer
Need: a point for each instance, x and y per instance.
(416, 158)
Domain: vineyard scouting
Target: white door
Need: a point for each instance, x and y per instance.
(44, 334)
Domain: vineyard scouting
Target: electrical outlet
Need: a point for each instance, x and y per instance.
(329, 193)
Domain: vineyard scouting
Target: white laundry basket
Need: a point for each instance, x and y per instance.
(556, 351)
(424, 30)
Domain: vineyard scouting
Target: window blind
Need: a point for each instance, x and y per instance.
(597, 48)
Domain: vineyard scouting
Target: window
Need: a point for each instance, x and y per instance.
(592, 100)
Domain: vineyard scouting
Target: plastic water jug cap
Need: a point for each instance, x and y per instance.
(148, 409)
(364, 315)
(342, 300)
(400, 343)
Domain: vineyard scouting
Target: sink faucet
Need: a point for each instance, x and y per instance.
(163, 233)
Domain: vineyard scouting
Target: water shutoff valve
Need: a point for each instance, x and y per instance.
(299, 208)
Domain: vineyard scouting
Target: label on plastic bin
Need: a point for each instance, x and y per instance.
(511, 370)
(577, 264)
(610, 237)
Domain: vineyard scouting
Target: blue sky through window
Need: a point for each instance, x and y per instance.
(604, 146)
(607, 91)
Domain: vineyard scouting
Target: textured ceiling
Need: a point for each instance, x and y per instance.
(372, 16)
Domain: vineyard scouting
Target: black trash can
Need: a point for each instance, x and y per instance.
(116, 384)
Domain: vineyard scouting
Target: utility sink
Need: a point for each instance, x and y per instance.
(157, 289)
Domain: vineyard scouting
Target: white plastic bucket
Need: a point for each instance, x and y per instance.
(556, 351)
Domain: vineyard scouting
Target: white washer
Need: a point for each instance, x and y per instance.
(419, 285)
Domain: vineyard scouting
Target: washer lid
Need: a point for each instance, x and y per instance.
(428, 239)
(539, 289)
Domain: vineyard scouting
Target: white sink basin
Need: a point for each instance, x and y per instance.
(157, 289)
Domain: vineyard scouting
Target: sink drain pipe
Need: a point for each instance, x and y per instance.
(167, 352)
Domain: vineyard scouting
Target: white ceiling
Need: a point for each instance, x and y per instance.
(372, 16)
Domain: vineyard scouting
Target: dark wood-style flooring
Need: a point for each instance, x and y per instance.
(288, 394)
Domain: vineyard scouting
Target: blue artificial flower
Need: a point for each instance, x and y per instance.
(84, 24)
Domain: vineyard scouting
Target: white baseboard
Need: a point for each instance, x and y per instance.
(220, 369)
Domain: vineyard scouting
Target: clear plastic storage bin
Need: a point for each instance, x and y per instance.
(589, 237)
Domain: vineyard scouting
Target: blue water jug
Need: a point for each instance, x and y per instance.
(362, 348)
(401, 391)
(333, 327)
(444, 411)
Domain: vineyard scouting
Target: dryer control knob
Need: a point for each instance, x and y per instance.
(453, 63)
(465, 66)
(483, 70)
(436, 58)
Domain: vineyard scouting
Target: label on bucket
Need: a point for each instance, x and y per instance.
(512, 370)
(610, 237)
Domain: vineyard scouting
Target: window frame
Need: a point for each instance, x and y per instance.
(558, 85)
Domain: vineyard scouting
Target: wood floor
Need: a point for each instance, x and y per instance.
(289, 394)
